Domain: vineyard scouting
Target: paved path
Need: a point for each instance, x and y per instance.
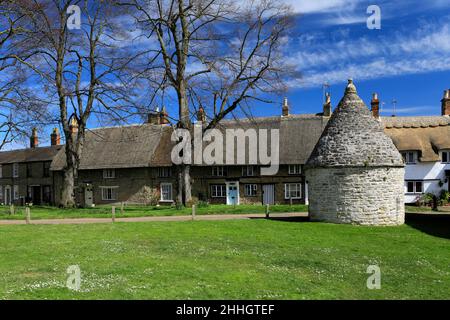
(149, 219)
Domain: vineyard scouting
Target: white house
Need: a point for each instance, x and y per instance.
(425, 145)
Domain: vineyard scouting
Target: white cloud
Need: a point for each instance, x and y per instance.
(316, 6)
(424, 50)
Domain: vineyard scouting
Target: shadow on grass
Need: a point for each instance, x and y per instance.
(285, 219)
(435, 224)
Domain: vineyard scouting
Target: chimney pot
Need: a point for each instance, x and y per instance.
(446, 103)
(201, 115)
(55, 137)
(375, 106)
(327, 105)
(285, 108)
(34, 141)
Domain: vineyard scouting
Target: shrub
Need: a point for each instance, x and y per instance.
(444, 196)
(203, 204)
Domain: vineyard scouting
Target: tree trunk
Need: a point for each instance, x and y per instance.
(180, 185)
(187, 184)
(67, 193)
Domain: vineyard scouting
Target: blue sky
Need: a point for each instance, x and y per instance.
(408, 59)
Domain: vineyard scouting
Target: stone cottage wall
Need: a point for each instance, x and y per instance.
(366, 196)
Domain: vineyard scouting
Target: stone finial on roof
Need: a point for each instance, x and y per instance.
(350, 87)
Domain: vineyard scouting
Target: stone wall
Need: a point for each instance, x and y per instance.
(357, 195)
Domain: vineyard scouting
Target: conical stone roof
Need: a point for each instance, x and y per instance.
(354, 138)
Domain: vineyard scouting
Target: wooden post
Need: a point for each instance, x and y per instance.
(27, 214)
(290, 201)
(113, 212)
(194, 211)
(11, 209)
(121, 207)
(267, 211)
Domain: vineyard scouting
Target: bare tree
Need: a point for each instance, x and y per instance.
(219, 55)
(80, 69)
(18, 108)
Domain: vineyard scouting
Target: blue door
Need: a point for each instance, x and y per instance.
(232, 194)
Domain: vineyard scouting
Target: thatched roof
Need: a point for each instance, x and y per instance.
(427, 135)
(117, 147)
(29, 154)
(354, 138)
(151, 145)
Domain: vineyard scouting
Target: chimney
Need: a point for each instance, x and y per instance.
(55, 138)
(446, 103)
(73, 126)
(285, 108)
(34, 142)
(163, 116)
(201, 115)
(327, 106)
(153, 117)
(375, 104)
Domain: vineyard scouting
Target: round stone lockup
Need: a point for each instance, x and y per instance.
(355, 174)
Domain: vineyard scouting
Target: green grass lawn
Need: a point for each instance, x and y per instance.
(238, 259)
(41, 212)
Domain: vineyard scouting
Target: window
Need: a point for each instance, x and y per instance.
(15, 170)
(164, 172)
(295, 169)
(250, 190)
(218, 191)
(29, 170)
(109, 173)
(46, 171)
(16, 192)
(218, 171)
(292, 191)
(414, 186)
(409, 157)
(445, 157)
(248, 171)
(166, 192)
(47, 194)
(109, 193)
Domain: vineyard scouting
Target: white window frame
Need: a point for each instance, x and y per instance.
(215, 190)
(16, 195)
(287, 190)
(109, 173)
(250, 189)
(218, 171)
(414, 182)
(406, 156)
(294, 169)
(15, 170)
(165, 185)
(114, 192)
(447, 152)
(164, 172)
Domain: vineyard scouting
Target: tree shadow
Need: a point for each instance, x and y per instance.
(435, 224)
(285, 219)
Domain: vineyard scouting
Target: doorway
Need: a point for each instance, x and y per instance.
(232, 193)
(88, 195)
(7, 195)
(268, 194)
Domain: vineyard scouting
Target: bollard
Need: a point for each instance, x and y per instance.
(11, 209)
(290, 201)
(113, 213)
(27, 214)
(121, 207)
(194, 209)
(267, 211)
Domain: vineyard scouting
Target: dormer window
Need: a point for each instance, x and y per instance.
(295, 169)
(445, 156)
(109, 173)
(248, 171)
(409, 157)
(15, 170)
